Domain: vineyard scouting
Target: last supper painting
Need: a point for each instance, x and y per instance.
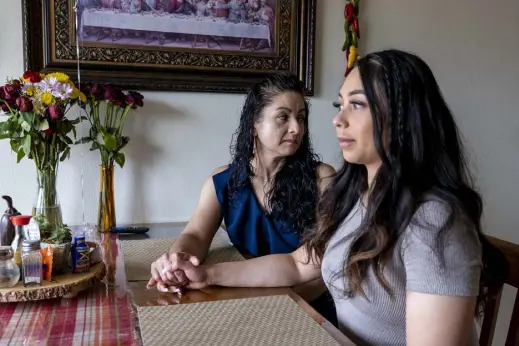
(174, 45)
(204, 24)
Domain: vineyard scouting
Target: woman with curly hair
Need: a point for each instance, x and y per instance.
(267, 195)
(399, 241)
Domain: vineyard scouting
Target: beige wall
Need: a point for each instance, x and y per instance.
(178, 138)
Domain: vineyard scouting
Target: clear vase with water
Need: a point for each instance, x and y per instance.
(47, 201)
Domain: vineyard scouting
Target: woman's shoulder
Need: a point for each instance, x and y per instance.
(325, 174)
(220, 169)
(436, 224)
(325, 170)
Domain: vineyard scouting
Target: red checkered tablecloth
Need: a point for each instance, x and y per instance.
(100, 316)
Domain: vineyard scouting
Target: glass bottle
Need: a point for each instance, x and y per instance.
(32, 262)
(9, 271)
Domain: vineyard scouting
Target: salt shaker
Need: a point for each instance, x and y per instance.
(32, 262)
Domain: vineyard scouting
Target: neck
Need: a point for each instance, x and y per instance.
(266, 166)
(372, 170)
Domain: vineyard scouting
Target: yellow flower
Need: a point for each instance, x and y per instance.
(30, 91)
(75, 93)
(61, 77)
(47, 98)
(82, 97)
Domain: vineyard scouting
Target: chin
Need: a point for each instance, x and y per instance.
(354, 159)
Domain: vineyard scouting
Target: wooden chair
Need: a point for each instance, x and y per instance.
(511, 252)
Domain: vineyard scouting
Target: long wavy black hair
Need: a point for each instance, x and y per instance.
(293, 195)
(422, 158)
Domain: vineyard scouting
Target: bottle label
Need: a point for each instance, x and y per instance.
(80, 259)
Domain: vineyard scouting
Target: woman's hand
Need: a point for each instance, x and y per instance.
(172, 271)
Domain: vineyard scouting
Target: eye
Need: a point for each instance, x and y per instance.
(337, 105)
(357, 105)
(283, 116)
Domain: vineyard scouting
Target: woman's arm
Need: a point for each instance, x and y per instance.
(443, 268)
(267, 271)
(438, 320)
(313, 289)
(195, 239)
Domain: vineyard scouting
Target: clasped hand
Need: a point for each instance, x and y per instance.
(173, 271)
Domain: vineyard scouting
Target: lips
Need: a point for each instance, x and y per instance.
(345, 142)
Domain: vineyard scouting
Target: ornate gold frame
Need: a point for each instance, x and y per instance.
(49, 44)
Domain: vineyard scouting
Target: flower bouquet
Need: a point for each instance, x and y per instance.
(107, 108)
(37, 126)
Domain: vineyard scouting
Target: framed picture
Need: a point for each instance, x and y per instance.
(184, 45)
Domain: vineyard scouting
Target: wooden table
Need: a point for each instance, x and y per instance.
(106, 315)
(142, 296)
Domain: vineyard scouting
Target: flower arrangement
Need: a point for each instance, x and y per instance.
(106, 129)
(107, 108)
(38, 128)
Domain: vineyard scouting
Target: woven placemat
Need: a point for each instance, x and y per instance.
(140, 254)
(272, 320)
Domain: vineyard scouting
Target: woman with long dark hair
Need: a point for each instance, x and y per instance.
(267, 196)
(399, 241)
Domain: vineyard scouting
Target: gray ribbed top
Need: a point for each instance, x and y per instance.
(422, 262)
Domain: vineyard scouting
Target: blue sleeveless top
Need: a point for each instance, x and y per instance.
(249, 229)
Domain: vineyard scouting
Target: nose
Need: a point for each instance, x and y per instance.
(295, 127)
(340, 120)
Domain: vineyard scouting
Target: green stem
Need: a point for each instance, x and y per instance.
(123, 120)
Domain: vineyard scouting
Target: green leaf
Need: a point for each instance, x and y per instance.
(110, 141)
(78, 120)
(44, 125)
(28, 117)
(20, 155)
(100, 138)
(15, 145)
(66, 139)
(27, 145)
(65, 126)
(65, 155)
(83, 140)
(120, 159)
(26, 126)
(95, 146)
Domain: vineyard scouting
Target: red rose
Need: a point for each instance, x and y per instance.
(114, 95)
(10, 103)
(49, 132)
(11, 91)
(24, 104)
(135, 99)
(56, 112)
(34, 77)
(98, 91)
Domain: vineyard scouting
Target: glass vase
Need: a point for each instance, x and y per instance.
(47, 201)
(106, 207)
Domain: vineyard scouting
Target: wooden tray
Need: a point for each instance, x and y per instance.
(64, 285)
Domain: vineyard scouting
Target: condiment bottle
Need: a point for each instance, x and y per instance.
(80, 255)
(6, 226)
(19, 222)
(32, 262)
(9, 271)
